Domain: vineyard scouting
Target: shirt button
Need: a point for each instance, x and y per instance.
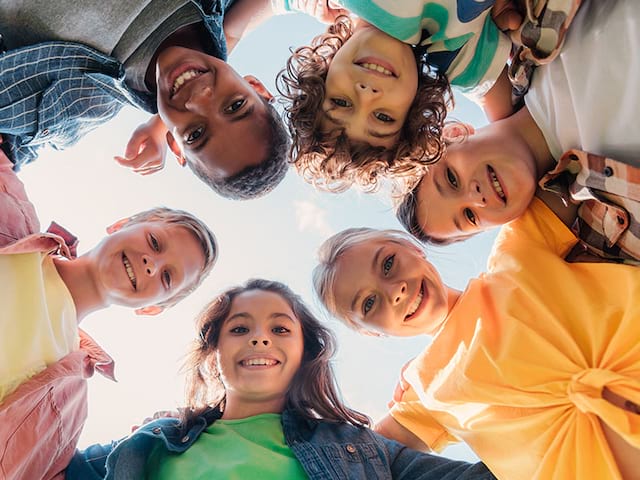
(620, 219)
(350, 448)
(156, 430)
(185, 439)
(607, 171)
(45, 132)
(573, 157)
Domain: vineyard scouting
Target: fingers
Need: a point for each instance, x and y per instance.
(149, 159)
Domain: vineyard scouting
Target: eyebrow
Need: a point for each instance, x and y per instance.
(374, 263)
(247, 315)
(248, 112)
(373, 133)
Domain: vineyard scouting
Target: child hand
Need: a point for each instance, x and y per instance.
(147, 147)
(155, 416)
(401, 387)
(326, 11)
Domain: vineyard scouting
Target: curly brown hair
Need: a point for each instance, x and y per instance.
(330, 160)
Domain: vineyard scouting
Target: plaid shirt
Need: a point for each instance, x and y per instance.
(609, 196)
(55, 92)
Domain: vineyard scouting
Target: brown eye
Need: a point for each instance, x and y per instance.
(341, 102)
(194, 135)
(451, 178)
(470, 216)
(235, 106)
(383, 117)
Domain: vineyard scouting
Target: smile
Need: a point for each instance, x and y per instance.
(497, 186)
(259, 362)
(413, 308)
(129, 269)
(376, 66)
(184, 78)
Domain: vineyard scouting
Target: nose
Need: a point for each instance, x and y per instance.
(261, 340)
(367, 90)
(475, 195)
(150, 266)
(397, 291)
(200, 99)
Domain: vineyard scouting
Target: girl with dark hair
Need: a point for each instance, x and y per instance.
(262, 403)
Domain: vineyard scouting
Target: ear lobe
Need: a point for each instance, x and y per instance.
(457, 131)
(117, 226)
(149, 311)
(259, 87)
(175, 149)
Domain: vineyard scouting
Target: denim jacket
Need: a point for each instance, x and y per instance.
(56, 92)
(327, 451)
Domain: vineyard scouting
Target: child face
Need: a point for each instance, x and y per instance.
(210, 111)
(146, 264)
(479, 183)
(389, 287)
(370, 85)
(260, 348)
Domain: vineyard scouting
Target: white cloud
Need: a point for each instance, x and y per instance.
(311, 218)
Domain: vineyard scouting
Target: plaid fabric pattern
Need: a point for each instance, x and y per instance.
(540, 38)
(609, 196)
(54, 93)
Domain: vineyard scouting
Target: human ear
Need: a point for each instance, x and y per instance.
(117, 226)
(175, 149)
(259, 87)
(457, 131)
(149, 311)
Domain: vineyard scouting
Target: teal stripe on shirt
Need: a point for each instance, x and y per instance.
(484, 55)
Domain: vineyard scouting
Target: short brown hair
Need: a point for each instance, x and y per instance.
(331, 160)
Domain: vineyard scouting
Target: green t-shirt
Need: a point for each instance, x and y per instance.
(251, 447)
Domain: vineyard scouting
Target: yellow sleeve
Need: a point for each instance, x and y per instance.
(414, 416)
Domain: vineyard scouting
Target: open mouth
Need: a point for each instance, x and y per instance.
(129, 269)
(497, 185)
(377, 66)
(417, 302)
(259, 362)
(182, 76)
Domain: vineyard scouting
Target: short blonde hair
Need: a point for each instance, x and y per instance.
(333, 248)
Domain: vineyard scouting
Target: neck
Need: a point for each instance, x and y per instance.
(452, 297)
(522, 125)
(236, 408)
(76, 275)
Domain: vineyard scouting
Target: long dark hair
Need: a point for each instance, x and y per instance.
(313, 392)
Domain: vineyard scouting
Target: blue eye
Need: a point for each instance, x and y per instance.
(341, 102)
(235, 106)
(470, 216)
(368, 303)
(280, 330)
(239, 330)
(194, 135)
(166, 276)
(387, 264)
(451, 178)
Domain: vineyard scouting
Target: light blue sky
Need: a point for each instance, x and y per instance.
(274, 237)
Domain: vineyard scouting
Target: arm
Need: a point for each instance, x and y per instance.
(497, 101)
(390, 428)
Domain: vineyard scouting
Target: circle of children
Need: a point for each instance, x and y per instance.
(535, 365)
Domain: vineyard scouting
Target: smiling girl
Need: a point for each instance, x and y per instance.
(262, 403)
(535, 365)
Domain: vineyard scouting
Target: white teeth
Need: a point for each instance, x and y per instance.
(183, 77)
(377, 68)
(496, 184)
(259, 361)
(129, 269)
(416, 303)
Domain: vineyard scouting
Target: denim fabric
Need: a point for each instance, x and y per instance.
(327, 451)
(55, 92)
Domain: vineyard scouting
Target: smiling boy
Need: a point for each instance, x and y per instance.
(488, 177)
(127, 54)
(149, 262)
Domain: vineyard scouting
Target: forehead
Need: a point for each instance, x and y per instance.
(260, 303)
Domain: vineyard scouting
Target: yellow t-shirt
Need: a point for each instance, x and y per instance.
(38, 323)
(517, 368)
